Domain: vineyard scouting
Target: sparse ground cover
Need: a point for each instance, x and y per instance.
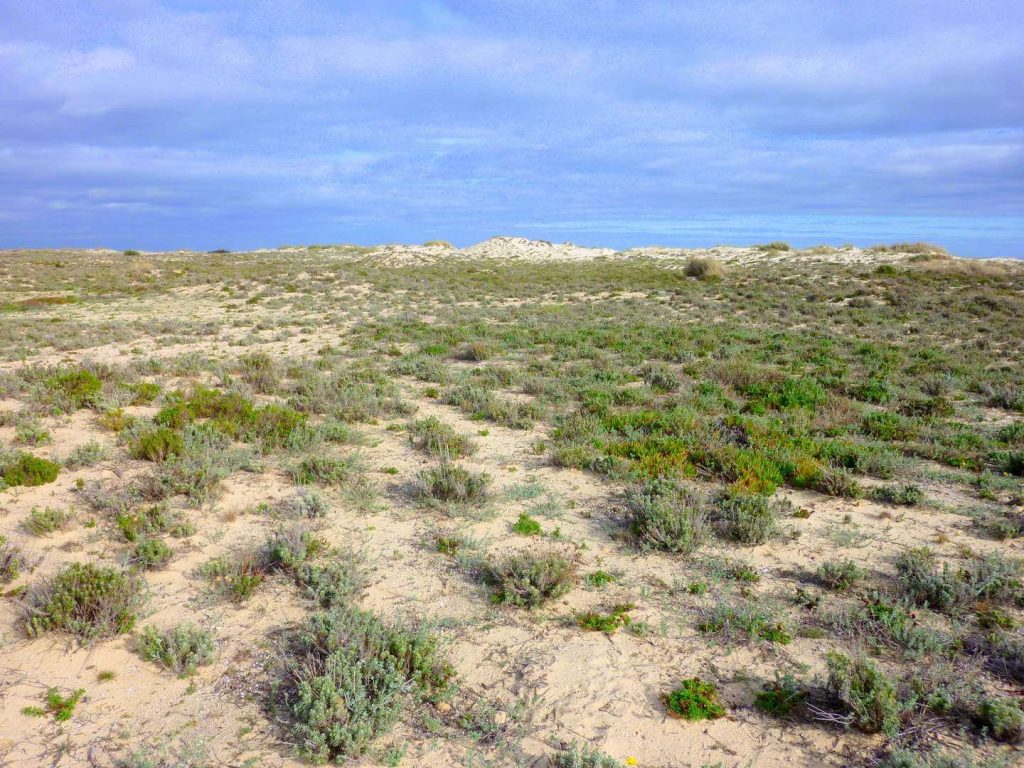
(736, 507)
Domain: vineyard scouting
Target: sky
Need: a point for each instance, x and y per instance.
(258, 123)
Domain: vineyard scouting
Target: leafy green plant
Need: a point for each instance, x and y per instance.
(617, 617)
(26, 469)
(61, 707)
(903, 494)
(85, 600)
(181, 649)
(694, 699)
(526, 526)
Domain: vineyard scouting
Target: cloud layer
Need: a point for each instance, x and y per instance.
(137, 123)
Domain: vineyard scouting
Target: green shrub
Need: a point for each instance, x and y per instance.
(439, 439)
(840, 575)
(694, 699)
(347, 677)
(526, 526)
(41, 521)
(753, 621)
(989, 577)
(450, 483)
(26, 469)
(664, 515)
(600, 579)
(837, 482)
(85, 600)
(326, 470)
(181, 649)
(530, 579)
(158, 445)
(904, 494)
(144, 392)
(61, 707)
(781, 697)
(334, 582)
(865, 693)
(11, 560)
(151, 554)
(74, 389)
(617, 617)
(1003, 719)
(748, 519)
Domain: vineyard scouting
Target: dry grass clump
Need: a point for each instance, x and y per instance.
(704, 268)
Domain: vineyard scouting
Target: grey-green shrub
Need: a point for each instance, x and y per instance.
(181, 649)
(664, 515)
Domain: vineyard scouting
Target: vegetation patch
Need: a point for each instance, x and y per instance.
(181, 649)
(693, 700)
(530, 579)
(347, 677)
(88, 601)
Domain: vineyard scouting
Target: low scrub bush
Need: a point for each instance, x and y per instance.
(85, 600)
(28, 470)
(747, 518)
(235, 578)
(11, 560)
(151, 554)
(694, 699)
(866, 695)
(530, 579)
(1002, 718)
(704, 268)
(840, 575)
(451, 483)
(439, 439)
(755, 622)
(44, 520)
(181, 649)
(664, 515)
(347, 677)
(609, 622)
(904, 494)
(158, 445)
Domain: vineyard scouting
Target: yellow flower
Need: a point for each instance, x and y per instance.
(631, 761)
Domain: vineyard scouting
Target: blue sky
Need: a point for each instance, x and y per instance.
(246, 123)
